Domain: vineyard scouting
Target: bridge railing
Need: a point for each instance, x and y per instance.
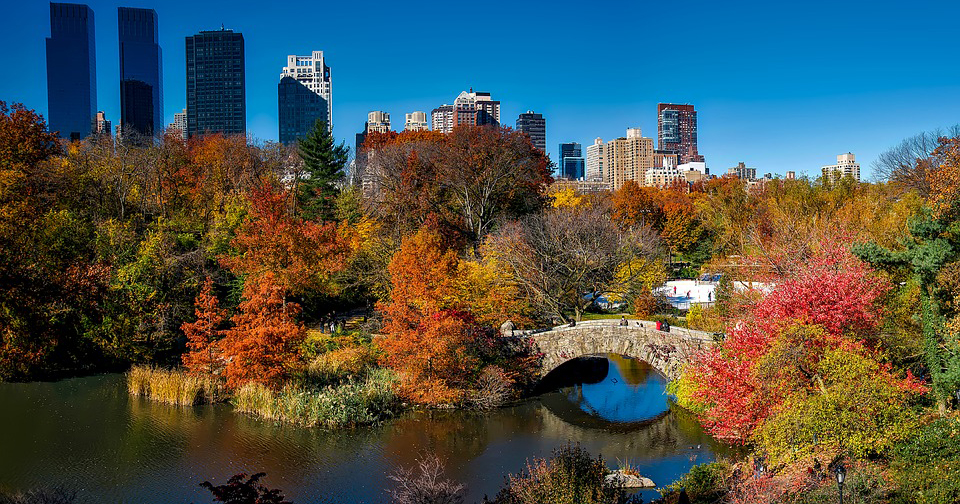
(644, 325)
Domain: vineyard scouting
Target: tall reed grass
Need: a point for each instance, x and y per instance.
(173, 386)
(354, 402)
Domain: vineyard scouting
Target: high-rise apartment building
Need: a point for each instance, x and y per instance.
(571, 161)
(469, 109)
(378, 121)
(71, 71)
(304, 96)
(141, 72)
(442, 118)
(179, 124)
(594, 162)
(216, 88)
(847, 165)
(627, 158)
(665, 159)
(743, 172)
(415, 121)
(677, 131)
(535, 126)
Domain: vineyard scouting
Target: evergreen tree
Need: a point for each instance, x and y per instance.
(323, 162)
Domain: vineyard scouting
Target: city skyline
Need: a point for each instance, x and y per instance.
(789, 105)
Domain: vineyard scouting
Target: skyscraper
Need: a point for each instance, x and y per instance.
(101, 126)
(594, 164)
(141, 72)
(571, 161)
(71, 71)
(378, 121)
(416, 121)
(180, 123)
(469, 109)
(304, 96)
(847, 166)
(216, 89)
(535, 126)
(677, 131)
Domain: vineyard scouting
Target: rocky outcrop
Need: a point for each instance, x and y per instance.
(629, 480)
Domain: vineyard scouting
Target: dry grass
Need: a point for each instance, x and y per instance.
(173, 386)
(341, 364)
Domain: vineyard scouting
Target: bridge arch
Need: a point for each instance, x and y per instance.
(665, 351)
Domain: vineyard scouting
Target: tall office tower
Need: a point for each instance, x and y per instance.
(847, 165)
(378, 121)
(179, 124)
(101, 126)
(677, 131)
(304, 96)
(627, 158)
(442, 118)
(574, 169)
(416, 121)
(594, 163)
(742, 172)
(535, 126)
(216, 90)
(71, 71)
(141, 73)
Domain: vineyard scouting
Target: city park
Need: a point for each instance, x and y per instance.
(808, 350)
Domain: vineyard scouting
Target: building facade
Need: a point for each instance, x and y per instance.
(216, 87)
(572, 170)
(847, 165)
(677, 131)
(179, 124)
(71, 71)
(378, 121)
(141, 72)
(535, 126)
(742, 172)
(594, 163)
(101, 126)
(304, 96)
(627, 158)
(442, 118)
(415, 121)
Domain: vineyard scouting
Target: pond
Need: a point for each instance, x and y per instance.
(87, 434)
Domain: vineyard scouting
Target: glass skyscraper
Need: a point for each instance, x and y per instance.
(574, 168)
(141, 72)
(304, 96)
(216, 91)
(535, 126)
(71, 71)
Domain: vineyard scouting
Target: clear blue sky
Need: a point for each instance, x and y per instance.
(778, 85)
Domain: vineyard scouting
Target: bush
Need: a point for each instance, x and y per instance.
(493, 389)
(338, 365)
(570, 476)
(425, 484)
(53, 496)
(251, 491)
(173, 386)
(926, 467)
(352, 403)
(704, 484)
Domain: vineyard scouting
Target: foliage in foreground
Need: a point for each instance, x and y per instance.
(53, 496)
(703, 484)
(425, 484)
(240, 489)
(355, 402)
(569, 476)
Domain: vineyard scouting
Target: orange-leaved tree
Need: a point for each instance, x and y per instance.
(262, 346)
(203, 356)
(426, 340)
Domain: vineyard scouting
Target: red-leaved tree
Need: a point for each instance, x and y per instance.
(203, 355)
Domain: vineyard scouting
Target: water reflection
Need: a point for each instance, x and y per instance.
(89, 435)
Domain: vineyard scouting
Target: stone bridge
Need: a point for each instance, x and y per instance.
(665, 351)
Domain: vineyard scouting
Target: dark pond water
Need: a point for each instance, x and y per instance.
(88, 434)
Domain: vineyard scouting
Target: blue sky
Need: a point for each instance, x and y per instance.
(778, 85)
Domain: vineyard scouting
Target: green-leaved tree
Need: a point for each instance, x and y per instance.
(323, 164)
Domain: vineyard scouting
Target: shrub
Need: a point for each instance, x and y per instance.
(493, 389)
(926, 467)
(173, 386)
(570, 476)
(704, 484)
(355, 402)
(251, 491)
(424, 484)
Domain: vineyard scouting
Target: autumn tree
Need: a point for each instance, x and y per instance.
(262, 346)
(203, 353)
(564, 258)
(323, 164)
